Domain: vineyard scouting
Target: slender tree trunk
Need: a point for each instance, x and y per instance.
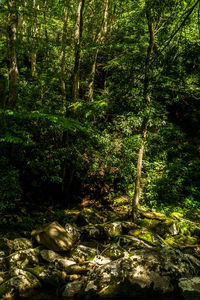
(147, 99)
(63, 62)
(12, 56)
(77, 45)
(99, 40)
(46, 36)
(35, 33)
(92, 76)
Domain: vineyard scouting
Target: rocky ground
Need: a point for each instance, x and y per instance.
(103, 254)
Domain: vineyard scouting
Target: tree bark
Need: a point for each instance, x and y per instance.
(100, 37)
(46, 36)
(12, 26)
(63, 62)
(147, 99)
(77, 46)
(35, 33)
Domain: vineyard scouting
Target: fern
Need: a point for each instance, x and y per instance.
(66, 123)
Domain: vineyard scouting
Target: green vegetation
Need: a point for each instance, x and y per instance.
(98, 99)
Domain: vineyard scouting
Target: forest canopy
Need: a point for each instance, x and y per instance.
(98, 99)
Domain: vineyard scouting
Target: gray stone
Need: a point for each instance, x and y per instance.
(146, 270)
(73, 288)
(101, 260)
(84, 252)
(190, 288)
(23, 258)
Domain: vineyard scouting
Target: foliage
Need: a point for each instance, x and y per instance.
(53, 149)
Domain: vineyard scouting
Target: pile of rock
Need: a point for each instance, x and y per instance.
(105, 260)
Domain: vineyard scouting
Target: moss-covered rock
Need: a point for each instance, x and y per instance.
(114, 251)
(22, 244)
(177, 216)
(113, 229)
(19, 284)
(145, 235)
(84, 252)
(181, 240)
(167, 226)
(48, 275)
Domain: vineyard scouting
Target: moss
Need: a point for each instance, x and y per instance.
(145, 235)
(149, 224)
(176, 215)
(36, 270)
(179, 241)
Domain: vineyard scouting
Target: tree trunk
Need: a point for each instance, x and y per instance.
(12, 56)
(99, 40)
(77, 46)
(35, 33)
(46, 37)
(63, 62)
(147, 99)
(68, 174)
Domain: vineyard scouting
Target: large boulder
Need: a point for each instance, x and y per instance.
(146, 271)
(53, 236)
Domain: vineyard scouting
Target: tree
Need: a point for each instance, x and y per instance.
(12, 27)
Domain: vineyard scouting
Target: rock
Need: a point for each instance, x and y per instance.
(52, 257)
(193, 250)
(92, 232)
(180, 241)
(63, 263)
(79, 269)
(147, 270)
(127, 226)
(114, 251)
(145, 235)
(85, 253)
(23, 258)
(101, 260)
(113, 229)
(73, 288)
(49, 255)
(22, 244)
(53, 236)
(21, 284)
(166, 226)
(48, 275)
(190, 288)
(129, 243)
(73, 232)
